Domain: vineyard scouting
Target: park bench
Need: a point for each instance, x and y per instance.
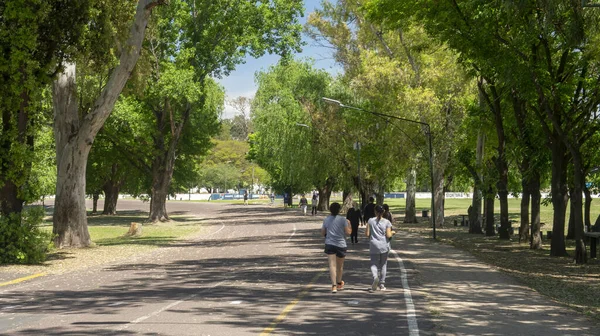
(594, 237)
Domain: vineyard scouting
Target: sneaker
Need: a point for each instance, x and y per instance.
(382, 287)
(375, 284)
(340, 285)
(334, 289)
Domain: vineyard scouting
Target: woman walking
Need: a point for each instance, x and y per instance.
(379, 231)
(334, 229)
(354, 216)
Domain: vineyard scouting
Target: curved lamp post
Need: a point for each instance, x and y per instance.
(427, 132)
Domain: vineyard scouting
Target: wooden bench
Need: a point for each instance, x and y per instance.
(594, 237)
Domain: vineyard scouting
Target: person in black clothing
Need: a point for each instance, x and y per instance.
(387, 214)
(354, 217)
(369, 210)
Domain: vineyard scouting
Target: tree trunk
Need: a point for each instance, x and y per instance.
(525, 200)
(74, 136)
(536, 200)
(438, 194)
(410, 214)
(490, 227)
(111, 196)
(559, 197)
(161, 180)
(571, 222)
(475, 223)
(577, 205)
(587, 208)
(347, 201)
(72, 149)
(379, 194)
(10, 137)
(325, 194)
(95, 197)
(475, 213)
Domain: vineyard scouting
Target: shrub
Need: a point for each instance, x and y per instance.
(21, 239)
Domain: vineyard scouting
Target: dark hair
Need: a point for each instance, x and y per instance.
(334, 208)
(371, 199)
(378, 209)
(386, 208)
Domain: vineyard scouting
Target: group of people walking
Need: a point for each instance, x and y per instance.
(378, 222)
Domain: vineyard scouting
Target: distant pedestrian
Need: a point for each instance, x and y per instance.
(245, 197)
(285, 200)
(314, 203)
(379, 231)
(303, 204)
(334, 230)
(355, 218)
(369, 210)
(387, 214)
(272, 198)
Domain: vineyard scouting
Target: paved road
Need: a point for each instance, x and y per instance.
(259, 270)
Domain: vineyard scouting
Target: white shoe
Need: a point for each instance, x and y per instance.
(382, 287)
(375, 284)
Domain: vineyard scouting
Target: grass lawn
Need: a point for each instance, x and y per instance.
(556, 277)
(110, 242)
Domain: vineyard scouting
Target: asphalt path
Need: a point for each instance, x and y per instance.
(260, 270)
(254, 270)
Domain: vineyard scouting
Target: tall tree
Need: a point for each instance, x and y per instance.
(75, 133)
(35, 37)
(541, 49)
(284, 142)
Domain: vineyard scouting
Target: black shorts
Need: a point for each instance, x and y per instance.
(340, 252)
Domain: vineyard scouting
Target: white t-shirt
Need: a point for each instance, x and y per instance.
(335, 228)
(378, 242)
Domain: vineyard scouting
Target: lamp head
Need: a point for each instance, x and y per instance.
(332, 101)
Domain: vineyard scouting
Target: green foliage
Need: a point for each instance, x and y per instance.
(287, 111)
(221, 33)
(21, 239)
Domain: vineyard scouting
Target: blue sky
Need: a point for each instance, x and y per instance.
(241, 81)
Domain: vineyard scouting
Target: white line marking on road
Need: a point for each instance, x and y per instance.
(293, 233)
(413, 327)
(222, 227)
(169, 306)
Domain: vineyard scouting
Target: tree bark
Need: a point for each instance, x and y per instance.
(111, 189)
(490, 227)
(571, 221)
(587, 208)
(525, 200)
(162, 172)
(559, 198)
(74, 136)
(111, 196)
(536, 200)
(410, 214)
(494, 103)
(95, 197)
(438, 194)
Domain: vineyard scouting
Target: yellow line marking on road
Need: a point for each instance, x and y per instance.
(291, 305)
(16, 281)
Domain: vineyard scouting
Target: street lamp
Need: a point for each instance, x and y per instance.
(427, 132)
